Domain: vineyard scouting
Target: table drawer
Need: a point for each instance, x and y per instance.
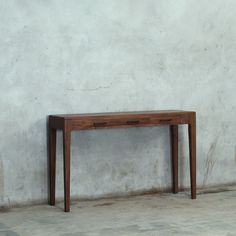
(126, 122)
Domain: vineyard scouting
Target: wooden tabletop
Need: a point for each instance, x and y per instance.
(127, 113)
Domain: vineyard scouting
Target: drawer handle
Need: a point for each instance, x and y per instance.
(132, 122)
(99, 124)
(165, 120)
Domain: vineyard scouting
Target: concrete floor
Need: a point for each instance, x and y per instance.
(213, 213)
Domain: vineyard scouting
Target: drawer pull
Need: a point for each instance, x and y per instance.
(99, 124)
(165, 120)
(132, 122)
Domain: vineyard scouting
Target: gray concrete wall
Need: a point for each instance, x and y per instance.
(98, 56)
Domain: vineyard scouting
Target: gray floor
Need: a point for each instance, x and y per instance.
(213, 213)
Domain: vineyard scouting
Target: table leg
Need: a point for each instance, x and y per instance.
(192, 152)
(52, 165)
(66, 158)
(174, 156)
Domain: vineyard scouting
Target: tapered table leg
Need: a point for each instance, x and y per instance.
(174, 156)
(52, 165)
(66, 158)
(192, 152)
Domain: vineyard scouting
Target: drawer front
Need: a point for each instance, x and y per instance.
(127, 122)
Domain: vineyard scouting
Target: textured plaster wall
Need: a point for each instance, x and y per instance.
(97, 56)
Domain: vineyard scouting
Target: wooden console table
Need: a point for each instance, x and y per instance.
(68, 123)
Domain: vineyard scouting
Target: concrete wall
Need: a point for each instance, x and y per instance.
(96, 56)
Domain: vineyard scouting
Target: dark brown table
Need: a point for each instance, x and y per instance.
(68, 123)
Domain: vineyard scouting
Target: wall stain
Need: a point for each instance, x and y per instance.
(210, 161)
(155, 168)
(213, 191)
(104, 204)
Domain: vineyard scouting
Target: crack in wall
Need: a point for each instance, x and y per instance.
(97, 88)
(210, 161)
